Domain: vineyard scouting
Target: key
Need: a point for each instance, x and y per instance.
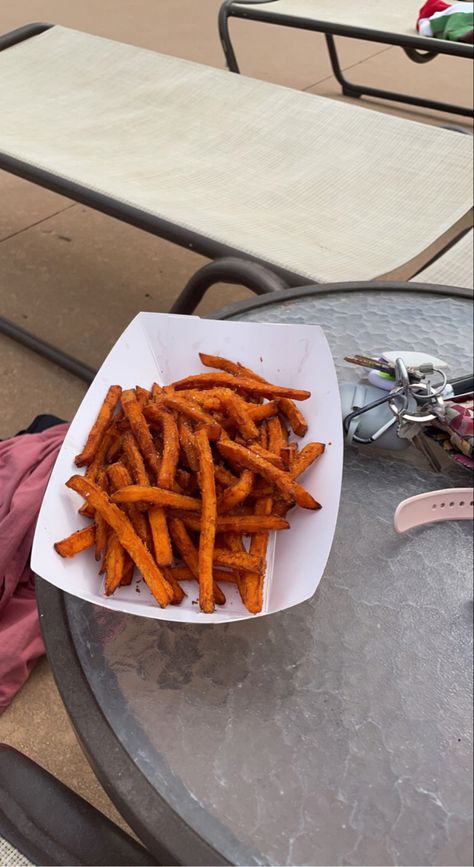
(384, 366)
(373, 363)
(424, 445)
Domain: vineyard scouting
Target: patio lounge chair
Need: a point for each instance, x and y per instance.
(387, 23)
(454, 268)
(316, 190)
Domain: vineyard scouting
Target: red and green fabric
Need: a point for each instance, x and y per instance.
(452, 21)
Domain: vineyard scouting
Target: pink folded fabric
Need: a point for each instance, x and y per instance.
(25, 466)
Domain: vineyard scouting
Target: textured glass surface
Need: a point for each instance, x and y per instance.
(336, 732)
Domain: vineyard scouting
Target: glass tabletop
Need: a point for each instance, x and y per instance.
(336, 732)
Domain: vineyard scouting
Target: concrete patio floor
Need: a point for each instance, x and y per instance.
(77, 277)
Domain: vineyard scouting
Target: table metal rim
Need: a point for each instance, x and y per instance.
(176, 842)
(177, 839)
(321, 289)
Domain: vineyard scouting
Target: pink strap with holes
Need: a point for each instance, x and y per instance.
(452, 504)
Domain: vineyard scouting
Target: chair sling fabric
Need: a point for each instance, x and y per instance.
(325, 191)
(453, 268)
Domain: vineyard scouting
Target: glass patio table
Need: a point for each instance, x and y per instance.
(335, 732)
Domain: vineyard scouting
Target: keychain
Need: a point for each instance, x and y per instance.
(413, 403)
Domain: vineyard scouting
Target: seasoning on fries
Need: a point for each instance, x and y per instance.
(178, 478)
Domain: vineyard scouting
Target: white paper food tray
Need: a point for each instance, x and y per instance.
(163, 348)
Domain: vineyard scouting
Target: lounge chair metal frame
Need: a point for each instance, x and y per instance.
(419, 49)
(107, 204)
(226, 267)
(261, 279)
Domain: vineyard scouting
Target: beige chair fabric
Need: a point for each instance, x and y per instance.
(325, 190)
(453, 268)
(11, 857)
(396, 18)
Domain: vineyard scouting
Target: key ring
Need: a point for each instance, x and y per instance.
(407, 389)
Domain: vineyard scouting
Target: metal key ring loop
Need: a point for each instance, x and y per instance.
(392, 402)
(403, 415)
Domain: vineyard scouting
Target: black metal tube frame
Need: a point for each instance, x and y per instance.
(418, 48)
(258, 275)
(321, 289)
(165, 834)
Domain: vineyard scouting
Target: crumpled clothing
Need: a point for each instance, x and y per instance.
(451, 21)
(454, 431)
(25, 466)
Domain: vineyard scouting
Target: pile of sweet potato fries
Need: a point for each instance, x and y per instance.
(176, 477)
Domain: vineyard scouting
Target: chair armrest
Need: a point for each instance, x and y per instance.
(241, 272)
(50, 824)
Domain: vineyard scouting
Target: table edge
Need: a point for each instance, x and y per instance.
(176, 842)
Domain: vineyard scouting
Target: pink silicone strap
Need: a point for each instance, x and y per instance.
(452, 504)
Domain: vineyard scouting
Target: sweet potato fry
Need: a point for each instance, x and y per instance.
(261, 411)
(114, 564)
(233, 367)
(188, 443)
(169, 459)
(111, 437)
(263, 435)
(142, 395)
(156, 390)
(189, 408)
(237, 493)
(246, 458)
(134, 459)
(160, 536)
(101, 528)
(119, 478)
(206, 399)
(188, 552)
(208, 522)
(184, 544)
(156, 516)
(76, 542)
(184, 573)
(287, 407)
(140, 430)
(156, 496)
(288, 456)
(127, 537)
(219, 363)
(236, 409)
(128, 570)
(224, 476)
(297, 421)
(269, 456)
(101, 533)
(310, 453)
(239, 561)
(234, 543)
(178, 591)
(255, 387)
(284, 432)
(99, 427)
(244, 524)
(251, 583)
(275, 436)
